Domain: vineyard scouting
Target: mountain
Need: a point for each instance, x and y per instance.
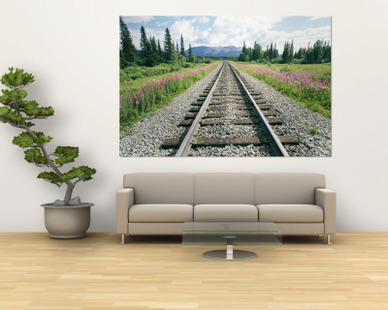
(219, 51)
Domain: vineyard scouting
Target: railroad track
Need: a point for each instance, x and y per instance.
(229, 116)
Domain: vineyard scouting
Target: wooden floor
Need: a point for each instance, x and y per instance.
(96, 272)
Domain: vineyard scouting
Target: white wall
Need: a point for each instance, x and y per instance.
(71, 46)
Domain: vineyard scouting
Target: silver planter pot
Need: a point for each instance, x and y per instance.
(67, 222)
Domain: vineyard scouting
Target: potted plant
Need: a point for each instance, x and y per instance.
(67, 218)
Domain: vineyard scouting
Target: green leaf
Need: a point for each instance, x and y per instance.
(50, 177)
(79, 172)
(35, 156)
(44, 112)
(17, 78)
(26, 140)
(23, 140)
(31, 108)
(7, 115)
(41, 138)
(13, 95)
(66, 154)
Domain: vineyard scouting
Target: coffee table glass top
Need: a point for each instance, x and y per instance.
(231, 233)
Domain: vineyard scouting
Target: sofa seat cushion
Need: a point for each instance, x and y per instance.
(290, 213)
(225, 212)
(160, 213)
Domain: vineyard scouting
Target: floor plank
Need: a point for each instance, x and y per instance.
(37, 273)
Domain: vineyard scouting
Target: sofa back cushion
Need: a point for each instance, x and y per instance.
(224, 188)
(287, 188)
(161, 187)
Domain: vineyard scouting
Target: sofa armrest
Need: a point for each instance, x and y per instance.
(326, 199)
(125, 198)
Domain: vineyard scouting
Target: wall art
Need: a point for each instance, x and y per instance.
(225, 86)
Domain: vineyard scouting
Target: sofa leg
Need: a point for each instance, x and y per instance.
(328, 239)
(122, 239)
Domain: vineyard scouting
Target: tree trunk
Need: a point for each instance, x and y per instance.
(69, 193)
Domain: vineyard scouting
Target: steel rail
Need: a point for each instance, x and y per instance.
(187, 141)
(276, 145)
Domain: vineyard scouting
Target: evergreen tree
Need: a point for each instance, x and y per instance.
(168, 46)
(154, 49)
(145, 47)
(309, 56)
(300, 53)
(327, 52)
(244, 55)
(271, 52)
(191, 54)
(286, 51)
(318, 51)
(154, 58)
(182, 46)
(128, 52)
(257, 52)
(244, 49)
(159, 49)
(266, 52)
(275, 53)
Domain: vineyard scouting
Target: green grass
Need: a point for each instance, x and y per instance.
(310, 85)
(313, 131)
(133, 78)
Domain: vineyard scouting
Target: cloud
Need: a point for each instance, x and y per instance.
(317, 17)
(136, 19)
(203, 19)
(187, 28)
(233, 30)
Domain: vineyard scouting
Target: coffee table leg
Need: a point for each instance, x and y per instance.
(229, 251)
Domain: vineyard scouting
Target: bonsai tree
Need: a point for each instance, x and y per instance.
(20, 113)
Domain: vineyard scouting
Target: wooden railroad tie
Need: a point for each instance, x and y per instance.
(216, 114)
(190, 115)
(206, 122)
(175, 142)
(226, 141)
(194, 109)
(274, 121)
(264, 106)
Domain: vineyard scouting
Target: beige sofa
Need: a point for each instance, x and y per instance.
(159, 203)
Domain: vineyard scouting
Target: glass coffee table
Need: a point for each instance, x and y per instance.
(230, 234)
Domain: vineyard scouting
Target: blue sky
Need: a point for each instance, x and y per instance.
(233, 30)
